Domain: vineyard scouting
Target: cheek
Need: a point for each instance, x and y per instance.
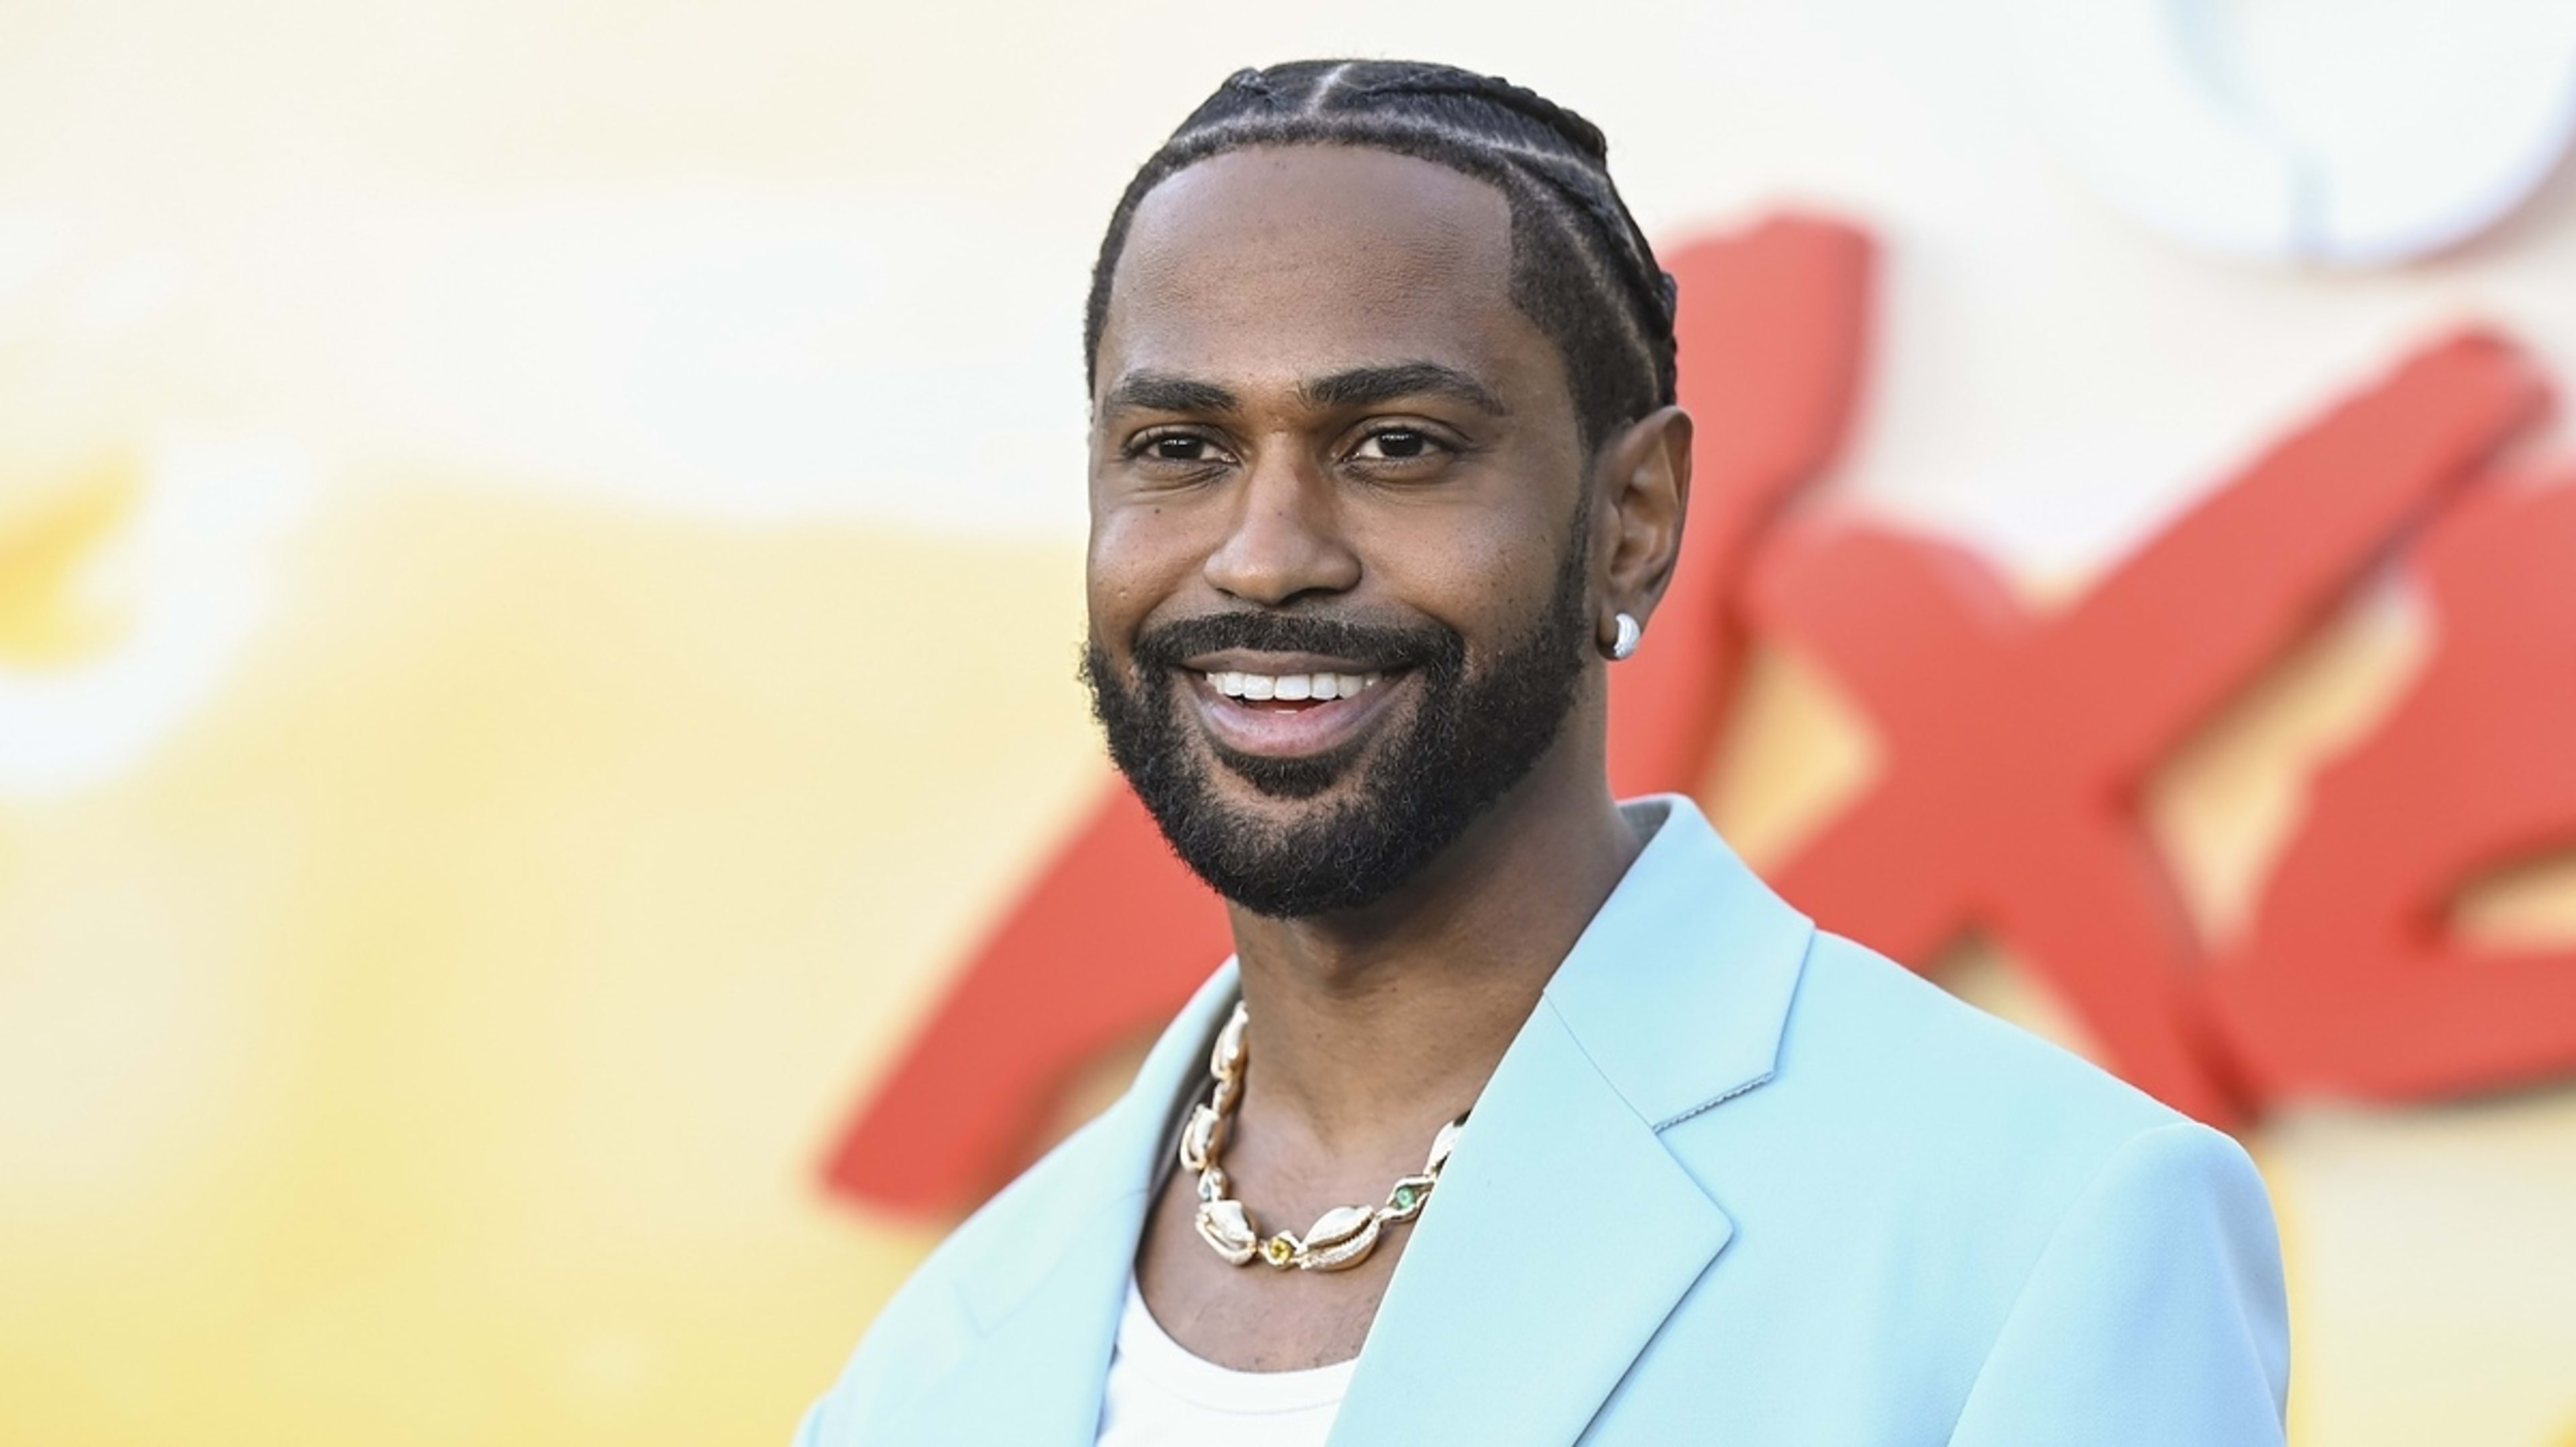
(1138, 558)
(1484, 572)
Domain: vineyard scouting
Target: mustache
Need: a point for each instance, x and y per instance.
(1376, 645)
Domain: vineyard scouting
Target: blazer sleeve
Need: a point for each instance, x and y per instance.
(2154, 1316)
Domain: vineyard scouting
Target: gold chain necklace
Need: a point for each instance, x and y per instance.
(1343, 1236)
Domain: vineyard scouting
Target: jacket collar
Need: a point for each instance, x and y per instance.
(1672, 1002)
(1679, 989)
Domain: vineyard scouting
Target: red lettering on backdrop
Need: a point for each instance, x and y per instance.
(2015, 744)
(1114, 933)
(2347, 980)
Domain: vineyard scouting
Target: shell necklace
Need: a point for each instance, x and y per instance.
(1341, 1237)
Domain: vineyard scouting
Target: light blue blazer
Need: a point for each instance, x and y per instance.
(1736, 1181)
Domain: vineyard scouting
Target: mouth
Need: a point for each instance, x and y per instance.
(1289, 706)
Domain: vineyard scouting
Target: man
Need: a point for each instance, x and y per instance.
(1598, 1139)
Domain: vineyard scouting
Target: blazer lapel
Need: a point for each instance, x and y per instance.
(1049, 1305)
(1560, 1238)
(1564, 1232)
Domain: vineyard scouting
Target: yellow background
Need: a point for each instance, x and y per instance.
(539, 570)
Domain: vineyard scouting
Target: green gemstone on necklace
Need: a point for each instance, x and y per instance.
(1405, 1197)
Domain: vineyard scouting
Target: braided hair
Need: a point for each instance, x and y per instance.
(1581, 269)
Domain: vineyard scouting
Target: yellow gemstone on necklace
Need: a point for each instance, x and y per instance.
(1278, 1250)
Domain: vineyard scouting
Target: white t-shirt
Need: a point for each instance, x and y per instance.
(1161, 1396)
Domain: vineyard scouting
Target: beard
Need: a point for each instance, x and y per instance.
(1471, 736)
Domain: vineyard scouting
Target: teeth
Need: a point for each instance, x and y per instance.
(1293, 685)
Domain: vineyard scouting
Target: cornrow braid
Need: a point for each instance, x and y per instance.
(1581, 269)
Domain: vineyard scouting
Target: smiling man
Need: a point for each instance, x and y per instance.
(1521, 1115)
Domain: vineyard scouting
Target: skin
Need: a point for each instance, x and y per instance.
(1226, 474)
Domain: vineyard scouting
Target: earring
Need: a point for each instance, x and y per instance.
(1626, 642)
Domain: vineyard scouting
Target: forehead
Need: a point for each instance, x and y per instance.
(1289, 261)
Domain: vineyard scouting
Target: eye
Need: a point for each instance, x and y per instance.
(1397, 444)
(1178, 449)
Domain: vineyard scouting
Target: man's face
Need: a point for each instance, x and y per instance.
(1339, 575)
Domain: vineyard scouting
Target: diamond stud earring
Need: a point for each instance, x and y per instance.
(1626, 642)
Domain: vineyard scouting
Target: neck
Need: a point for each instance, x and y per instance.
(1370, 1028)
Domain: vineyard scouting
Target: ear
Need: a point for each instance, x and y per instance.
(1642, 495)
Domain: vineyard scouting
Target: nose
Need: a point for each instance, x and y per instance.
(1285, 540)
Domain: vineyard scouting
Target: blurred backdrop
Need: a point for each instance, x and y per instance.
(540, 557)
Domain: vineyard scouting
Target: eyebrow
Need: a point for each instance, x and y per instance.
(1166, 392)
(1363, 386)
(1354, 387)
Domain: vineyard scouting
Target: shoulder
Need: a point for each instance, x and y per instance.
(1087, 1191)
(961, 1289)
(1869, 1040)
(1897, 1110)
(2004, 1214)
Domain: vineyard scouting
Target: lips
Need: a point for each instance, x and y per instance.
(1291, 709)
